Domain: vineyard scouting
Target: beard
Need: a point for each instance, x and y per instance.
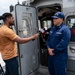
(11, 24)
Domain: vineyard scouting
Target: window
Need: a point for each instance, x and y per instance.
(39, 24)
(47, 24)
(27, 21)
(71, 24)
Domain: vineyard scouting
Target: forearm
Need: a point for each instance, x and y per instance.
(23, 40)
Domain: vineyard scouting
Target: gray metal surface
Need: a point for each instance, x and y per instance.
(39, 3)
(41, 71)
(70, 73)
(26, 21)
(71, 65)
(68, 11)
(71, 51)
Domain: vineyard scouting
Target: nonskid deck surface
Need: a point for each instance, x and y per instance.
(42, 71)
(39, 73)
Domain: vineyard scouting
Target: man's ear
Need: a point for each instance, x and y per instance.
(7, 19)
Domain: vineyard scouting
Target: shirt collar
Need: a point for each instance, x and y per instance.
(58, 27)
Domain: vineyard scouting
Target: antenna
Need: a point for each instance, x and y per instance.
(18, 2)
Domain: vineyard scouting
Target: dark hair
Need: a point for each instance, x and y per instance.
(5, 15)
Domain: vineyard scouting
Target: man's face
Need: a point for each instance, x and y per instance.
(11, 21)
(57, 21)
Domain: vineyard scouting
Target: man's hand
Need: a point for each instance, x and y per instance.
(36, 36)
(50, 51)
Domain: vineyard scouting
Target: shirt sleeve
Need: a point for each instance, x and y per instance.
(64, 41)
(9, 33)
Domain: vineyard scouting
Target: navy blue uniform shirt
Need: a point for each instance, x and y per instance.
(59, 38)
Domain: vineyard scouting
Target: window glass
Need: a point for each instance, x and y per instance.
(47, 24)
(39, 25)
(27, 21)
(71, 24)
(1, 22)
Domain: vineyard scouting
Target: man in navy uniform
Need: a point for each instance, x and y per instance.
(57, 44)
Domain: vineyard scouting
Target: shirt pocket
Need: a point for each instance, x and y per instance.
(58, 35)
